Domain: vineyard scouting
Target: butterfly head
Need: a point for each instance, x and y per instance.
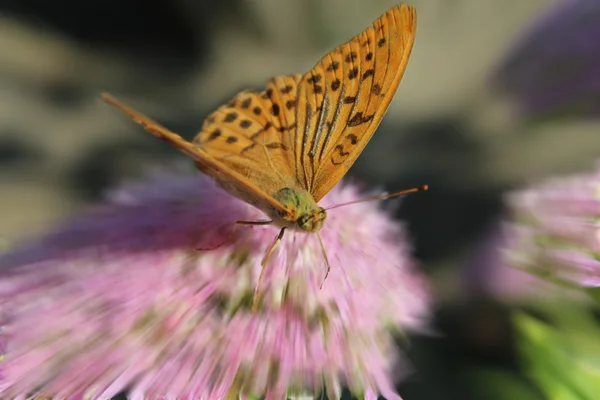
(312, 221)
(303, 212)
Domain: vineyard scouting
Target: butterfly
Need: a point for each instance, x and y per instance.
(281, 150)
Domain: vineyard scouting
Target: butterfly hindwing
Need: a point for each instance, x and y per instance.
(342, 100)
(251, 134)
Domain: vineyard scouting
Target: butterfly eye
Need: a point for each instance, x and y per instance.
(305, 222)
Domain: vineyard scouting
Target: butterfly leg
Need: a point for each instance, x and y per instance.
(263, 264)
(326, 259)
(230, 236)
(266, 222)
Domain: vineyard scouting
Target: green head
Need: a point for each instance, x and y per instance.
(304, 211)
(312, 221)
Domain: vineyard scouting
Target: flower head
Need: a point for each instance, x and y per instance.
(120, 299)
(554, 68)
(556, 229)
(486, 273)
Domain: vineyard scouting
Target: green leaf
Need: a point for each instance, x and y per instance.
(594, 293)
(563, 360)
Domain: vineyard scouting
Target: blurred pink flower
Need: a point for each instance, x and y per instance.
(555, 229)
(485, 272)
(554, 67)
(119, 300)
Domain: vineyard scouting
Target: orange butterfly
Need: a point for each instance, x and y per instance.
(283, 149)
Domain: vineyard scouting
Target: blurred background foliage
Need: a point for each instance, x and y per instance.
(497, 94)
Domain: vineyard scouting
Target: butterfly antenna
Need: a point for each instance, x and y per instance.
(263, 264)
(326, 259)
(382, 196)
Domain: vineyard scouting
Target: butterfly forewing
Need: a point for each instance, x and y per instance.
(237, 182)
(342, 100)
(252, 134)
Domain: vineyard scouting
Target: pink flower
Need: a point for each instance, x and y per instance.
(555, 230)
(486, 273)
(553, 69)
(121, 300)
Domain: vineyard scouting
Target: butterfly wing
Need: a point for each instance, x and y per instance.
(342, 100)
(239, 184)
(252, 134)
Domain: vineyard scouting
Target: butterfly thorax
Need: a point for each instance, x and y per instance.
(303, 212)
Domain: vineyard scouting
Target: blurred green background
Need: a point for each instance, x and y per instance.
(460, 122)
